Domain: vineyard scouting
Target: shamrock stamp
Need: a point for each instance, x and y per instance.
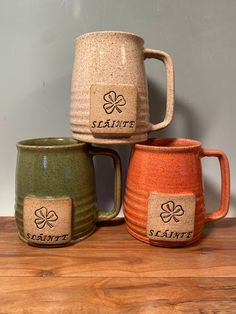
(47, 221)
(113, 102)
(113, 110)
(171, 217)
(169, 211)
(45, 217)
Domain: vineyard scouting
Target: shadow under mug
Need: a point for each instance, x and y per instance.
(109, 94)
(164, 199)
(55, 191)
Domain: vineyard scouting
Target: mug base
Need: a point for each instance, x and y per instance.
(89, 138)
(165, 244)
(56, 245)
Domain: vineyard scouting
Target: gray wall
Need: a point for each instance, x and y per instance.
(36, 41)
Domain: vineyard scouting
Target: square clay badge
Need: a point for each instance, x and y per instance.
(171, 217)
(47, 221)
(113, 109)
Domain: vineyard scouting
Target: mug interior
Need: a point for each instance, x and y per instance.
(49, 142)
(169, 144)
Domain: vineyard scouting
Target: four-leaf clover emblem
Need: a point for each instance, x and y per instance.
(113, 102)
(171, 211)
(45, 217)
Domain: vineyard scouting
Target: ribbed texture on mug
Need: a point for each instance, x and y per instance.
(136, 216)
(79, 115)
(170, 173)
(108, 58)
(55, 173)
(84, 215)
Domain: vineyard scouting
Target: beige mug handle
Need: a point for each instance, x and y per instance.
(166, 59)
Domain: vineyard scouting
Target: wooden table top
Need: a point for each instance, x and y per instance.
(111, 272)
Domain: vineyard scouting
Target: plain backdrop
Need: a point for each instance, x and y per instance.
(36, 59)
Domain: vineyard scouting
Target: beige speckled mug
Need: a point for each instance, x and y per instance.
(109, 95)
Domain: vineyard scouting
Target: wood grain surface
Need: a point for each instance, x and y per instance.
(111, 272)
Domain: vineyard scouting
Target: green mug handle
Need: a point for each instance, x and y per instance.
(107, 215)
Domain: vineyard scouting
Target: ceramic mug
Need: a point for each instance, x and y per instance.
(55, 191)
(164, 199)
(109, 94)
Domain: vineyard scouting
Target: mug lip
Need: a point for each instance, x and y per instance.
(108, 32)
(50, 143)
(169, 144)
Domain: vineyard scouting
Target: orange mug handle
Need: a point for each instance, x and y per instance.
(166, 59)
(225, 184)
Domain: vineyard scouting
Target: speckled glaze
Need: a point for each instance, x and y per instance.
(170, 166)
(55, 168)
(115, 58)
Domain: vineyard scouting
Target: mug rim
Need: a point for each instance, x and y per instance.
(169, 144)
(58, 142)
(108, 32)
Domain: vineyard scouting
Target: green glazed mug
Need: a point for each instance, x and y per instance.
(55, 191)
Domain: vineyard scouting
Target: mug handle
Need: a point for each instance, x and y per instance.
(225, 184)
(166, 59)
(107, 215)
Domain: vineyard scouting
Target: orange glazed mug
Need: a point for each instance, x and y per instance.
(164, 200)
